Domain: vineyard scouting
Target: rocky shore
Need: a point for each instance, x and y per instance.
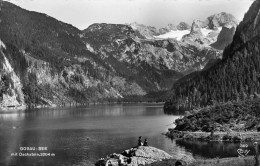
(150, 156)
(142, 155)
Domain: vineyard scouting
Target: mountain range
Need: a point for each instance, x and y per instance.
(234, 78)
(47, 62)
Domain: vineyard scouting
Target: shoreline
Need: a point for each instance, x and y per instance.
(248, 136)
(150, 156)
(142, 155)
(23, 109)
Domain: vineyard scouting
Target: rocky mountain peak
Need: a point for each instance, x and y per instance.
(220, 20)
(144, 31)
(171, 27)
(167, 29)
(196, 27)
(207, 32)
(109, 28)
(183, 26)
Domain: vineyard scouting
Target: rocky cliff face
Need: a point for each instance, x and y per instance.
(12, 96)
(207, 32)
(178, 56)
(235, 77)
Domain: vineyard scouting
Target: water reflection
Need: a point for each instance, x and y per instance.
(12, 116)
(98, 110)
(205, 149)
(81, 135)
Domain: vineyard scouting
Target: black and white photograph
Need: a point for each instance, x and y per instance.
(129, 82)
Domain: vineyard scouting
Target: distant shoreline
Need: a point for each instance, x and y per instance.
(24, 109)
(248, 136)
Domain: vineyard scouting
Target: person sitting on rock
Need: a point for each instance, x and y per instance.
(145, 142)
(140, 141)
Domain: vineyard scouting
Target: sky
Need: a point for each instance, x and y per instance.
(158, 13)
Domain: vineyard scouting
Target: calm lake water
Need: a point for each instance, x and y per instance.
(79, 136)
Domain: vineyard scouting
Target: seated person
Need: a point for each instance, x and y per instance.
(145, 142)
(140, 141)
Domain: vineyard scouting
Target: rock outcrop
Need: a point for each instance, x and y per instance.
(141, 155)
(195, 35)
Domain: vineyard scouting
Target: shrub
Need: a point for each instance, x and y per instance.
(227, 138)
(188, 137)
(236, 139)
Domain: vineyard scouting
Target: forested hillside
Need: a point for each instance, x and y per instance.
(235, 77)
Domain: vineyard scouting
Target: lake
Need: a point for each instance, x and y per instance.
(80, 136)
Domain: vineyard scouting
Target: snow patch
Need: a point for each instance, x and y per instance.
(177, 34)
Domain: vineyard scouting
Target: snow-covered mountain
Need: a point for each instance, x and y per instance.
(179, 34)
(204, 33)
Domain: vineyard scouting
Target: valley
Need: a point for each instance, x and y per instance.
(56, 63)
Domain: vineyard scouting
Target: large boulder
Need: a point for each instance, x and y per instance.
(141, 155)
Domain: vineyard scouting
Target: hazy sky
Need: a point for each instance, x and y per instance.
(158, 13)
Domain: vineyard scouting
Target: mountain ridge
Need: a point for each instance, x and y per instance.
(235, 77)
(58, 63)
